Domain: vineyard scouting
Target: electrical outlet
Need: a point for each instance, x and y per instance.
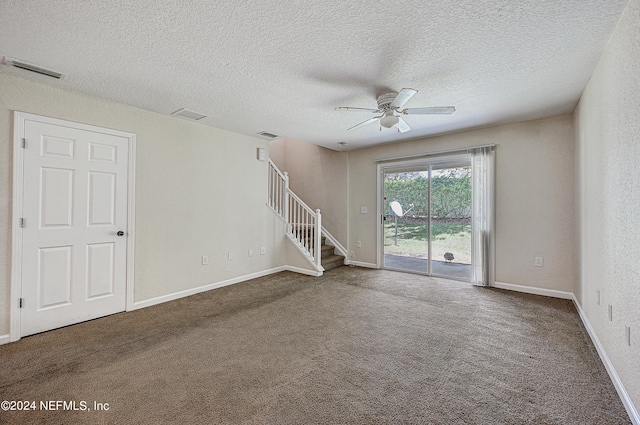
(627, 334)
(598, 297)
(363, 210)
(205, 260)
(263, 250)
(359, 244)
(250, 252)
(610, 313)
(230, 255)
(539, 262)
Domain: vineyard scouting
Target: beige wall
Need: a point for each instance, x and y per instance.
(534, 197)
(607, 144)
(319, 177)
(199, 191)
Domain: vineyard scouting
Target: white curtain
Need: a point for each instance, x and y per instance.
(483, 216)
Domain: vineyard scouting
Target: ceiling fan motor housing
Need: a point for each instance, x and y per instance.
(384, 101)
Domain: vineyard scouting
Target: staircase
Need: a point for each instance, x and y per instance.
(302, 224)
(328, 257)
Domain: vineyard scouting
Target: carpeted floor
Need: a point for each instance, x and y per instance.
(355, 346)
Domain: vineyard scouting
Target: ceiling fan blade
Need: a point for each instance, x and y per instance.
(403, 127)
(349, 108)
(435, 110)
(403, 97)
(362, 124)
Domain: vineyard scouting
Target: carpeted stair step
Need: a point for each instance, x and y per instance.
(332, 261)
(327, 250)
(328, 258)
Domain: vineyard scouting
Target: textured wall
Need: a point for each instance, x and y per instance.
(607, 138)
(199, 190)
(534, 197)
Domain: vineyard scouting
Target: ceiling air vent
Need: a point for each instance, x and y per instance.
(268, 135)
(185, 113)
(16, 63)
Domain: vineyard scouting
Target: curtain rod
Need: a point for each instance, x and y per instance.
(426, 154)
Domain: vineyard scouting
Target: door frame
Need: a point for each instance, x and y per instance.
(19, 119)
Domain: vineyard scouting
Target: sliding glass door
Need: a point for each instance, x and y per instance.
(451, 219)
(405, 217)
(437, 214)
(427, 217)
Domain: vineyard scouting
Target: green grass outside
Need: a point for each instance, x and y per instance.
(413, 236)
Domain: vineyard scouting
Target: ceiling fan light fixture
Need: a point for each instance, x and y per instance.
(388, 121)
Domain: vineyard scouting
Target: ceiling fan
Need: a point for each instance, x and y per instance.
(389, 105)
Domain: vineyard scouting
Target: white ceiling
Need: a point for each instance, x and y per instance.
(283, 66)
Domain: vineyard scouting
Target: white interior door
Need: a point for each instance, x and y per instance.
(74, 250)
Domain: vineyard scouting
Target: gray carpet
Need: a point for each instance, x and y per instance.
(355, 346)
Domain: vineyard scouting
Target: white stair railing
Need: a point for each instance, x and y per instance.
(303, 225)
(278, 186)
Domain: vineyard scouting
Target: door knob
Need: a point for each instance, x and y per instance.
(120, 233)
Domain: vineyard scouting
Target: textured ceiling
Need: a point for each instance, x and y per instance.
(283, 66)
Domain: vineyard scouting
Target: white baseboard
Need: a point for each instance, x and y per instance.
(535, 291)
(216, 285)
(193, 291)
(333, 241)
(360, 264)
(617, 383)
(302, 271)
(5, 339)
